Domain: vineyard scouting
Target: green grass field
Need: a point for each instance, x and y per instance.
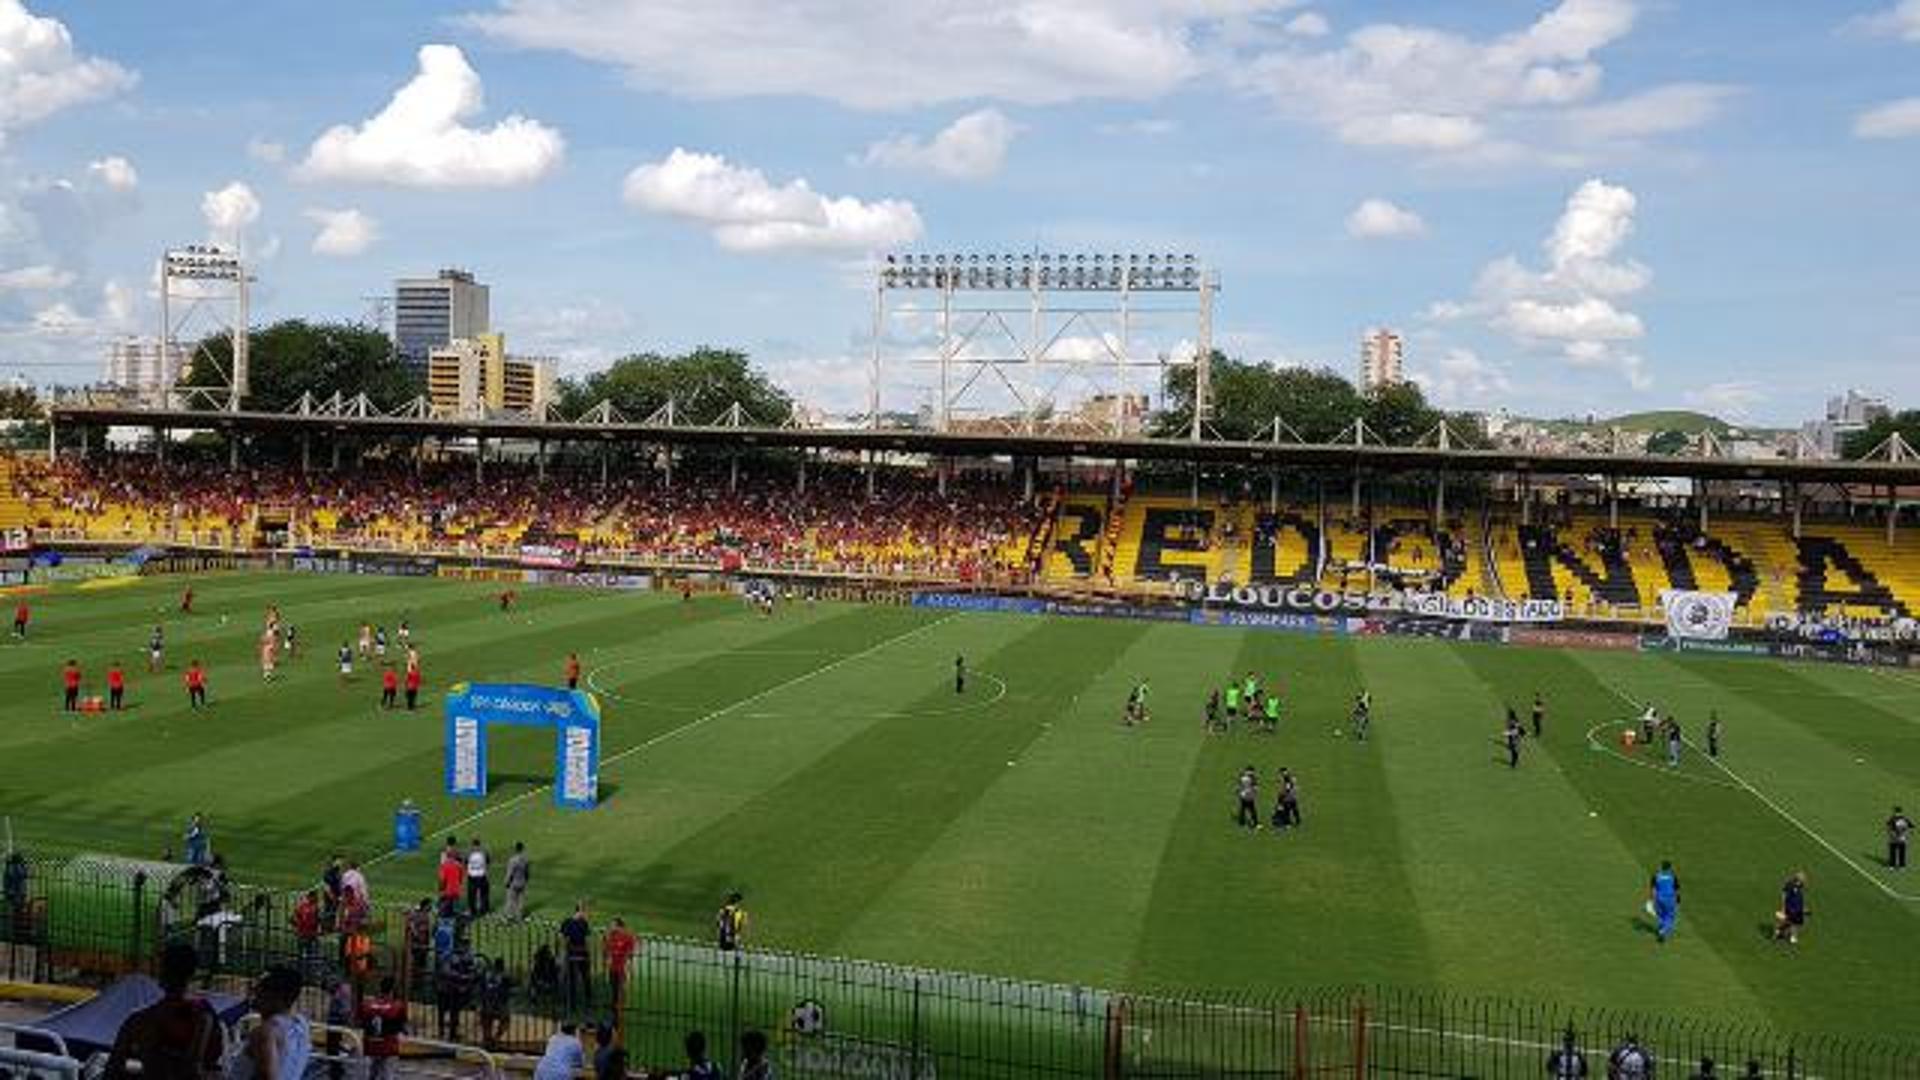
(820, 761)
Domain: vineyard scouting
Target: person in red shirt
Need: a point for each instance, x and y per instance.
(116, 687)
(573, 671)
(413, 682)
(196, 679)
(70, 682)
(305, 921)
(383, 1019)
(389, 686)
(621, 944)
(453, 878)
(20, 615)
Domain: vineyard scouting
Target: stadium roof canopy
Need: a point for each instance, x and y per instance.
(1358, 452)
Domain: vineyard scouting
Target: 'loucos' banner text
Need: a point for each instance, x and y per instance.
(1430, 605)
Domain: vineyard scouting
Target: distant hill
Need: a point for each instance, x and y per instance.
(1681, 420)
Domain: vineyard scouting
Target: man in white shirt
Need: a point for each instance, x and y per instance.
(479, 888)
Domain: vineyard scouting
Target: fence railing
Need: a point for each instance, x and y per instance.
(87, 920)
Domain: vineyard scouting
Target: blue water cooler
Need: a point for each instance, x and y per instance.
(406, 827)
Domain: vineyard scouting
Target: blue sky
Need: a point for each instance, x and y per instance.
(1589, 205)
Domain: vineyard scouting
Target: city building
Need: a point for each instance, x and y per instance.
(430, 313)
(136, 369)
(474, 376)
(1846, 414)
(1381, 353)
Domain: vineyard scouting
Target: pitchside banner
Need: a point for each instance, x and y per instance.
(1309, 600)
(1698, 616)
(573, 714)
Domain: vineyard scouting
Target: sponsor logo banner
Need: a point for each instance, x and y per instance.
(1559, 638)
(1698, 616)
(573, 714)
(547, 557)
(968, 602)
(1306, 598)
(1481, 608)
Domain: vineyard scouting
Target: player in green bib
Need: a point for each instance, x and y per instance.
(1273, 713)
(1233, 702)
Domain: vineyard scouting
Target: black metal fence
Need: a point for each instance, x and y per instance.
(88, 919)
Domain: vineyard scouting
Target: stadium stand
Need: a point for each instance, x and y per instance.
(975, 527)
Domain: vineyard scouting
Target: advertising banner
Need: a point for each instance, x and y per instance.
(1481, 608)
(1698, 616)
(573, 714)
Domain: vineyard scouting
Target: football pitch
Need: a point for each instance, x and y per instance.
(820, 761)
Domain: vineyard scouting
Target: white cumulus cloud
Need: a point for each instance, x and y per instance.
(1483, 101)
(342, 232)
(40, 72)
(421, 139)
(1575, 304)
(230, 212)
(1732, 400)
(37, 278)
(1901, 20)
(116, 172)
(1308, 24)
(1378, 219)
(1659, 111)
(971, 148)
(884, 56)
(746, 212)
(1894, 120)
(1460, 378)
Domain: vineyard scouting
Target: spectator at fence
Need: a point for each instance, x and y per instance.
(496, 1000)
(564, 1056)
(1567, 1063)
(1630, 1061)
(453, 990)
(340, 1014)
(175, 1038)
(753, 1056)
(305, 921)
(543, 981)
(620, 944)
(331, 888)
(603, 1047)
(419, 933)
(382, 1020)
(279, 1048)
(614, 1067)
(576, 932)
(13, 886)
(698, 1067)
(519, 873)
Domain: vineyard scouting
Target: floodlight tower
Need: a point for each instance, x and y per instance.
(1023, 326)
(205, 285)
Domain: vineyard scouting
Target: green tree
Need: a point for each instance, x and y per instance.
(1317, 404)
(20, 403)
(1861, 443)
(1399, 414)
(703, 385)
(1667, 443)
(294, 356)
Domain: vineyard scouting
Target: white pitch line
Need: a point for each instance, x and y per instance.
(1663, 770)
(681, 730)
(1848, 860)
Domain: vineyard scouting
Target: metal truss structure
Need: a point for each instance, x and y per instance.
(1008, 337)
(203, 295)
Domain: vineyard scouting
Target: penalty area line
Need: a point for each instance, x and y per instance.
(673, 732)
(1741, 781)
